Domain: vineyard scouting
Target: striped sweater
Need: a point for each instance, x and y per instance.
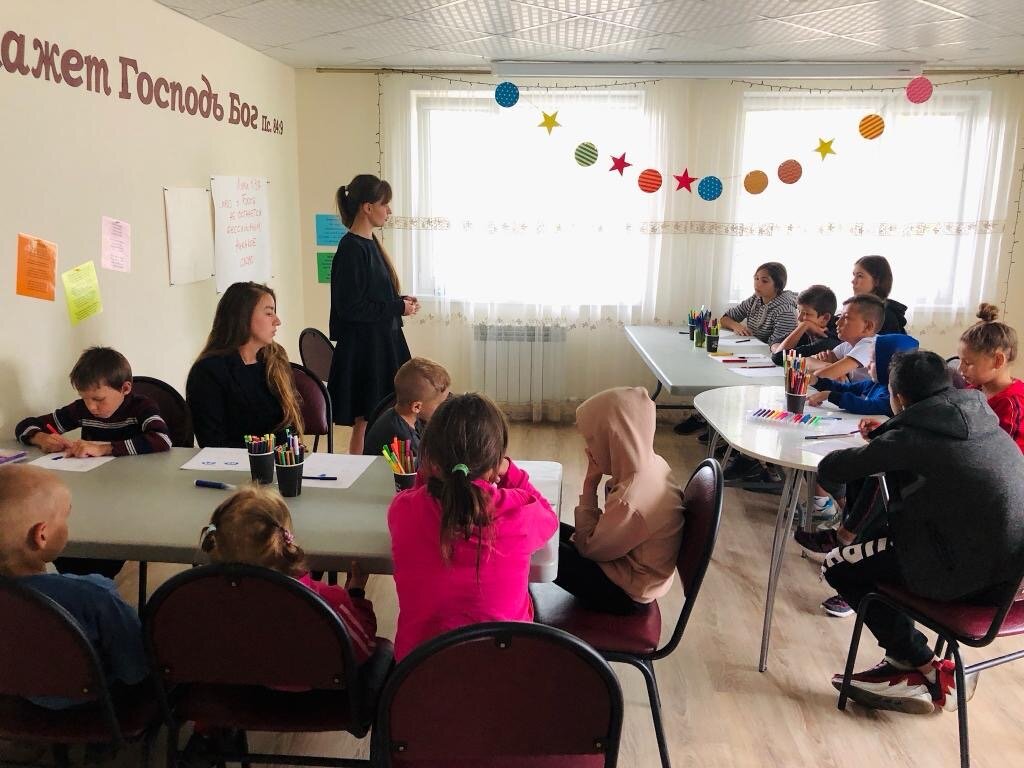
(771, 322)
(136, 427)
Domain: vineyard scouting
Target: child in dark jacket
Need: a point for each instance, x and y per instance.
(816, 329)
(870, 398)
(955, 524)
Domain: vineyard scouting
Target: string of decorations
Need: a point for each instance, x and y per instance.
(1013, 236)
(380, 129)
(870, 88)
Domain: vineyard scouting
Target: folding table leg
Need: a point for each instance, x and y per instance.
(142, 585)
(712, 441)
(783, 524)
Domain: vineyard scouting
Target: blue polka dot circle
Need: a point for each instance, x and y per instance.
(710, 188)
(506, 94)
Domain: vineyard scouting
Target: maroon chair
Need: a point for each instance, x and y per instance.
(634, 639)
(956, 624)
(246, 648)
(315, 404)
(501, 695)
(316, 352)
(43, 652)
(172, 407)
(388, 401)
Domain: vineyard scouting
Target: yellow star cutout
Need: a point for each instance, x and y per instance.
(550, 121)
(825, 148)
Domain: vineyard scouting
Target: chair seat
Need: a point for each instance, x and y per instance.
(963, 619)
(21, 720)
(637, 634)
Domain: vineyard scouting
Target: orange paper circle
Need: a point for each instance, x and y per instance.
(755, 182)
(871, 126)
(649, 181)
(790, 172)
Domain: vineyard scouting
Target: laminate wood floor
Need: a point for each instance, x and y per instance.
(718, 709)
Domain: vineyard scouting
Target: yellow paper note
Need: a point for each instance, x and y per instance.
(37, 267)
(82, 291)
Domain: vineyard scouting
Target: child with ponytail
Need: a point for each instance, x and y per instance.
(987, 349)
(461, 541)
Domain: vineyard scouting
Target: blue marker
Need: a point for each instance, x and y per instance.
(56, 458)
(214, 484)
(321, 476)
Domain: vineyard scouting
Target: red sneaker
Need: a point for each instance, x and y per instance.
(943, 690)
(890, 685)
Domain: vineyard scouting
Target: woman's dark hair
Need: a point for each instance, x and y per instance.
(777, 272)
(880, 271)
(469, 430)
(232, 327)
(990, 336)
(918, 374)
(366, 188)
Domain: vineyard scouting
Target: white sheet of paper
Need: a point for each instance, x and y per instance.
(189, 234)
(345, 467)
(241, 239)
(757, 373)
(116, 244)
(220, 459)
(741, 343)
(59, 461)
(825, 447)
(749, 357)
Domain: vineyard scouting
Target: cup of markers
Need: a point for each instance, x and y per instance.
(699, 321)
(261, 458)
(798, 378)
(289, 460)
(403, 462)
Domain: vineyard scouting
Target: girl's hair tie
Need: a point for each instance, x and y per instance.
(204, 537)
(289, 538)
(461, 468)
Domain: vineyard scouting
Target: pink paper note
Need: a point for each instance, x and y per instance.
(116, 248)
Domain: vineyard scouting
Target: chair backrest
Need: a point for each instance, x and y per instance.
(316, 352)
(44, 652)
(508, 692)
(231, 624)
(315, 404)
(172, 407)
(388, 401)
(702, 510)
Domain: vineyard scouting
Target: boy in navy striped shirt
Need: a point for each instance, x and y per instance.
(114, 421)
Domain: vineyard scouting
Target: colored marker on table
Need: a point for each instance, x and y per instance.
(215, 484)
(319, 477)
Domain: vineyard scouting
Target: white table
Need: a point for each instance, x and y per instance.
(684, 369)
(146, 508)
(728, 414)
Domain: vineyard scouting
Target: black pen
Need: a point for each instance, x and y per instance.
(319, 477)
(743, 342)
(822, 437)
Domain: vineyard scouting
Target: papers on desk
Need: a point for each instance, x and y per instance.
(61, 462)
(756, 373)
(343, 466)
(825, 447)
(219, 459)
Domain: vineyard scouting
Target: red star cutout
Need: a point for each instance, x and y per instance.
(619, 163)
(685, 180)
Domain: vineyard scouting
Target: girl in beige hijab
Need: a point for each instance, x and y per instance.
(623, 557)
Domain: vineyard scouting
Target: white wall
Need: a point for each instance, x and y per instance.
(70, 156)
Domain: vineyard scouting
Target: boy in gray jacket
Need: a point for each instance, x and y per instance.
(955, 524)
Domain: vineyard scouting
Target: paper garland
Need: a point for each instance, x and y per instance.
(756, 182)
(506, 94)
(649, 181)
(619, 163)
(685, 180)
(790, 171)
(710, 188)
(919, 90)
(871, 126)
(586, 154)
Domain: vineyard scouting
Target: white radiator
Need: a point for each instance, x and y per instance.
(519, 365)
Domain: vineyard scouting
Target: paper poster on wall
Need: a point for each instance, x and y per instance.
(37, 268)
(116, 245)
(241, 230)
(324, 260)
(189, 234)
(329, 229)
(82, 291)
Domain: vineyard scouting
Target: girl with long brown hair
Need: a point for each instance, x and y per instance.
(367, 307)
(461, 542)
(241, 383)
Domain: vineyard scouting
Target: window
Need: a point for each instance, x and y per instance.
(526, 223)
(914, 195)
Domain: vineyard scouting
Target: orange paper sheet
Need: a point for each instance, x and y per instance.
(37, 267)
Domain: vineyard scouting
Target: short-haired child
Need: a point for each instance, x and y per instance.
(462, 540)
(857, 326)
(816, 324)
(421, 385)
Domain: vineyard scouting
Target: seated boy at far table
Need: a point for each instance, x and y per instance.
(857, 325)
(34, 511)
(420, 386)
(816, 325)
(114, 421)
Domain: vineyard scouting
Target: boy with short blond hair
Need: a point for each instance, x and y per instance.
(34, 511)
(420, 386)
(858, 327)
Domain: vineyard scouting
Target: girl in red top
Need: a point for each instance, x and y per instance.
(462, 540)
(987, 349)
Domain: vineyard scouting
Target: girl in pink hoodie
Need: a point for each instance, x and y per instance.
(624, 557)
(461, 542)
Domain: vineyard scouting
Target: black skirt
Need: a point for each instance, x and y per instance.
(366, 358)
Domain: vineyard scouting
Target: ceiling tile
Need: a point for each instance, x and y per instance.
(922, 35)
(414, 34)
(661, 48)
(754, 33)
(588, 7)
(346, 47)
(280, 22)
(581, 32)
(973, 7)
(429, 57)
(823, 49)
(774, 9)
(198, 9)
(502, 47)
(676, 16)
(1008, 22)
(867, 16)
(1002, 47)
(490, 16)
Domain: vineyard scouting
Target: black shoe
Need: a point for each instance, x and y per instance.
(690, 425)
(740, 467)
(704, 437)
(768, 480)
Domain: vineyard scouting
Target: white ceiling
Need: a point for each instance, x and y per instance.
(962, 34)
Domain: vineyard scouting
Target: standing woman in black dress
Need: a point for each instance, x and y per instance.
(367, 307)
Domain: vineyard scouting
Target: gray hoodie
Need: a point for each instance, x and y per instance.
(956, 480)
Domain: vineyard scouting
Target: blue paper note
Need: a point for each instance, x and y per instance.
(329, 229)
